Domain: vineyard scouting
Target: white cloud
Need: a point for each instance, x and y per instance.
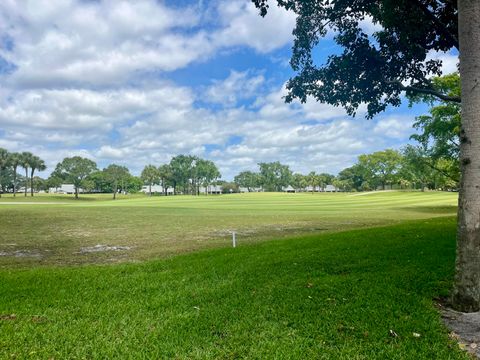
(106, 43)
(87, 84)
(243, 26)
(397, 127)
(238, 85)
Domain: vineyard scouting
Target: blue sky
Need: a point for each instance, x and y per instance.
(137, 82)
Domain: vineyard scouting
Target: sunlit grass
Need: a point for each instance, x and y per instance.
(325, 296)
(54, 229)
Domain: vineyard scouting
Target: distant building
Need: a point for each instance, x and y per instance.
(212, 189)
(331, 188)
(245, 190)
(156, 189)
(64, 189)
(289, 189)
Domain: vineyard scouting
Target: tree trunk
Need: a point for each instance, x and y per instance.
(26, 180)
(115, 192)
(76, 192)
(150, 190)
(31, 182)
(14, 181)
(466, 293)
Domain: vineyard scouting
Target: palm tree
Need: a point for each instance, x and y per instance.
(26, 159)
(15, 159)
(4, 160)
(35, 164)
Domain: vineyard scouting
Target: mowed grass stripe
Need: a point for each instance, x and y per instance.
(161, 226)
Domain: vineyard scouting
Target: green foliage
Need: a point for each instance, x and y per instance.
(248, 179)
(372, 69)
(115, 175)
(439, 132)
(133, 184)
(381, 167)
(75, 170)
(4, 160)
(229, 187)
(150, 175)
(274, 175)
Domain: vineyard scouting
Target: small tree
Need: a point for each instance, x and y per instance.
(35, 164)
(150, 175)
(114, 174)
(4, 161)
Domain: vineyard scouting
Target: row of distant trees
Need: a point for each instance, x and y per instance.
(185, 173)
(411, 168)
(414, 167)
(10, 162)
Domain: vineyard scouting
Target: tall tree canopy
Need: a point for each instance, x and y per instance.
(114, 174)
(274, 175)
(373, 68)
(75, 170)
(377, 68)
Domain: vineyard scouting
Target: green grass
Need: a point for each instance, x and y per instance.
(54, 229)
(322, 296)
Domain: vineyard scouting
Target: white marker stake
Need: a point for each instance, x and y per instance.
(234, 239)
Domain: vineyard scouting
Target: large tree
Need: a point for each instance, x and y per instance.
(381, 166)
(183, 170)
(376, 69)
(75, 170)
(274, 175)
(206, 172)
(248, 180)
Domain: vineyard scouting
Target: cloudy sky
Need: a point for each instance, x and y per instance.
(137, 82)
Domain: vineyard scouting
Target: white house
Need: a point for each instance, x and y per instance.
(245, 190)
(156, 189)
(64, 189)
(212, 189)
(309, 188)
(330, 188)
(288, 189)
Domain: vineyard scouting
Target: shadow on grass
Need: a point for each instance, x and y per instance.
(439, 210)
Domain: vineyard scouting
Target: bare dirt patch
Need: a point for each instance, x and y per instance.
(21, 253)
(103, 248)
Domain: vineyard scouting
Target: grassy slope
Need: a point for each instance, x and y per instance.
(322, 296)
(159, 226)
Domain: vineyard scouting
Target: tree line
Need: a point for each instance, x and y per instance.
(10, 162)
(184, 173)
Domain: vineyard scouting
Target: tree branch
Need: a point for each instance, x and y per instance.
(438, 24)
(427, 91)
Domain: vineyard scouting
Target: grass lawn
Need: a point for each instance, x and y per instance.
(315, 276)
(330, 296)
(53, 230)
